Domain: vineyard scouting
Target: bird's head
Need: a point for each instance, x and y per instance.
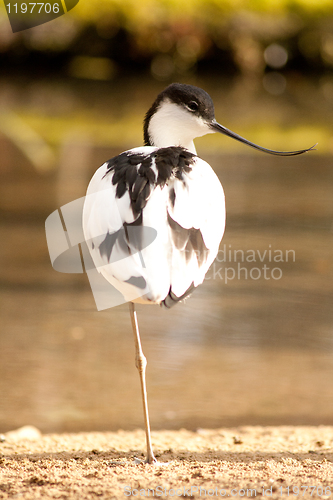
(183, 112)
(179, 114)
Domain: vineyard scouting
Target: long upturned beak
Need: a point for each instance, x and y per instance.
(223, 130)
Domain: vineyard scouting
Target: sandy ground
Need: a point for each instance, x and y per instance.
(273, 462)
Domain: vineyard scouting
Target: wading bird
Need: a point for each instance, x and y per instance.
(165, 186)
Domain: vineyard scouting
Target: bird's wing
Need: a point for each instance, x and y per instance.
(196, 218)
(112, 218)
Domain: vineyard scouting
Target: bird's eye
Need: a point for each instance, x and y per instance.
(193, 106)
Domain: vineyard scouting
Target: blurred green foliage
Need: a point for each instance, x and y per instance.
(147, 11)
(269, 59)
(209, 11)
(170, 37)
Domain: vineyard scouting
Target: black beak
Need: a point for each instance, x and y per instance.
(219, 128)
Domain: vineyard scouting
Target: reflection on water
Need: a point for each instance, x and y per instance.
(253, 345)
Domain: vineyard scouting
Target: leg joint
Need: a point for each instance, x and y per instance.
(140, 361)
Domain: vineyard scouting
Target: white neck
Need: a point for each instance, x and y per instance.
(172, 125)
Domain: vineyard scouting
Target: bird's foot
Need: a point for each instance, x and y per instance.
(150, 460)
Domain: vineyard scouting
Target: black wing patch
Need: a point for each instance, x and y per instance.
(137, 281)
(171, 299)
(106, 247)
(172, 197)
(133, 172)
(172, 162)
(188, 240)
(131, 237)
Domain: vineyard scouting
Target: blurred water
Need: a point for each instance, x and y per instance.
(255, 349)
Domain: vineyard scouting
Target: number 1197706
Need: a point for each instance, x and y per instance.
(33, 8)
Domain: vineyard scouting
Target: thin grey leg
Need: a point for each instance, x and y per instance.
(141, 364)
